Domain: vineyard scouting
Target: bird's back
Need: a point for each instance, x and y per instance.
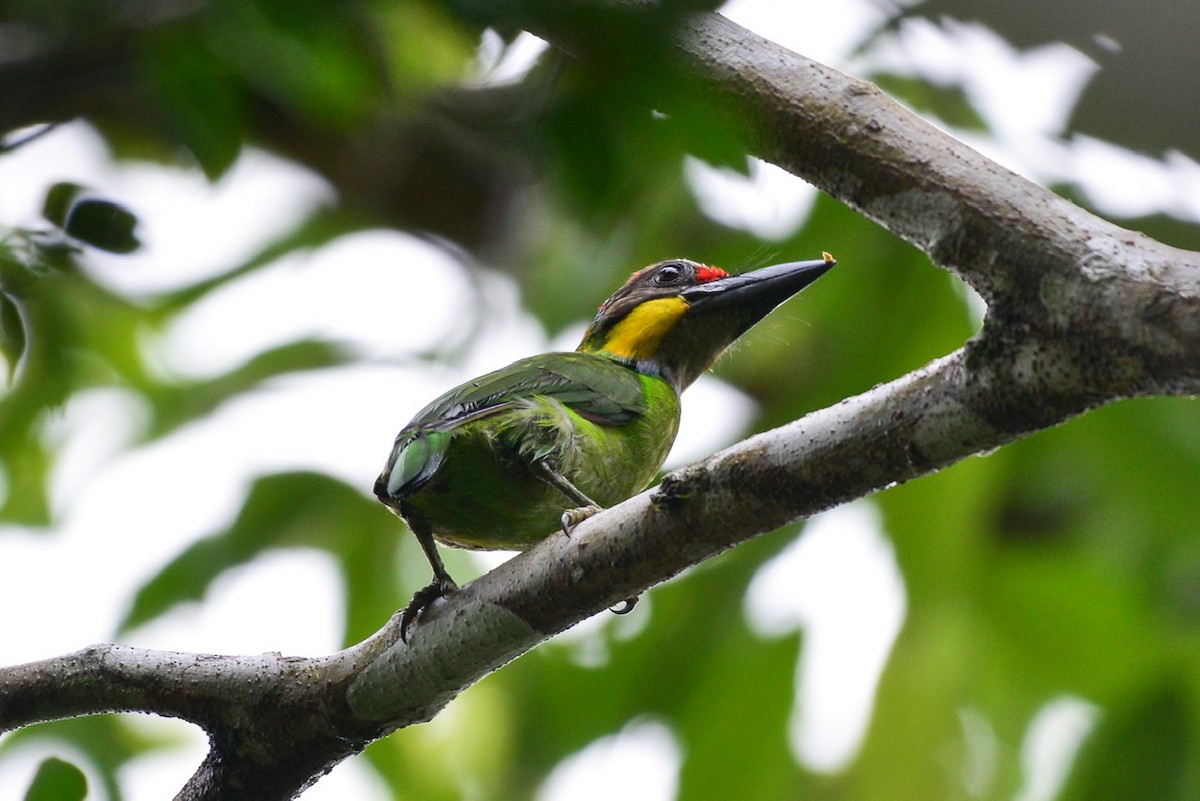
(464, 465)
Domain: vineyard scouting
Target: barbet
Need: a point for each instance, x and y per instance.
(504, 460)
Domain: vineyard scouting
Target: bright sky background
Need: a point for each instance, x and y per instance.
(119, 506)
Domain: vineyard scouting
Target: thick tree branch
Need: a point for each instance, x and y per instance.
(1081, 313)
(1049, 270)
(275, 722)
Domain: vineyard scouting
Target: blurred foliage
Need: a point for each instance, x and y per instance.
(1063, 566)
(1134, 48)
(92, 221)
(57, 780)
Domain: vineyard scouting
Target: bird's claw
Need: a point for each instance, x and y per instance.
(625, 607)
(573, 517)
(438, 588)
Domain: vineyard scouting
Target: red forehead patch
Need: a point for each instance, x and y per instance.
(706, 274)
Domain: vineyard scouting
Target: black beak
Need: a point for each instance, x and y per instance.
(759, 291)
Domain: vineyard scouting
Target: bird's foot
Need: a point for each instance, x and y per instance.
(573, 517)
(625, 607)
(438, 588)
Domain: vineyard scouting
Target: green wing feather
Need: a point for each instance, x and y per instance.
(597, 388)
(600, 389)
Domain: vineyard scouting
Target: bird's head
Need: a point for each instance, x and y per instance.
(675, 318)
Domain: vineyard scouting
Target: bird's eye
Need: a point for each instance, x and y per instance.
(668, 274)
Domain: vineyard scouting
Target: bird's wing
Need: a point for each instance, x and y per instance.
(601, 390)
(596, 388)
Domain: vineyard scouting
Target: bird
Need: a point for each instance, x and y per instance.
(509, 458)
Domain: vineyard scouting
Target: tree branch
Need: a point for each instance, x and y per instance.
(1081, 313)
(1048, 269)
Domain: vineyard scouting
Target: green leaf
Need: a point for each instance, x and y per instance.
(92, 220)
(105, 743)
(59, 198)
(1146, 750)
(202, 101)
(57, 780)
(178, 404)
(12, 334)
(103, 224)
(286, 510)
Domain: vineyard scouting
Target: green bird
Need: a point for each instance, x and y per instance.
(504, 460)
